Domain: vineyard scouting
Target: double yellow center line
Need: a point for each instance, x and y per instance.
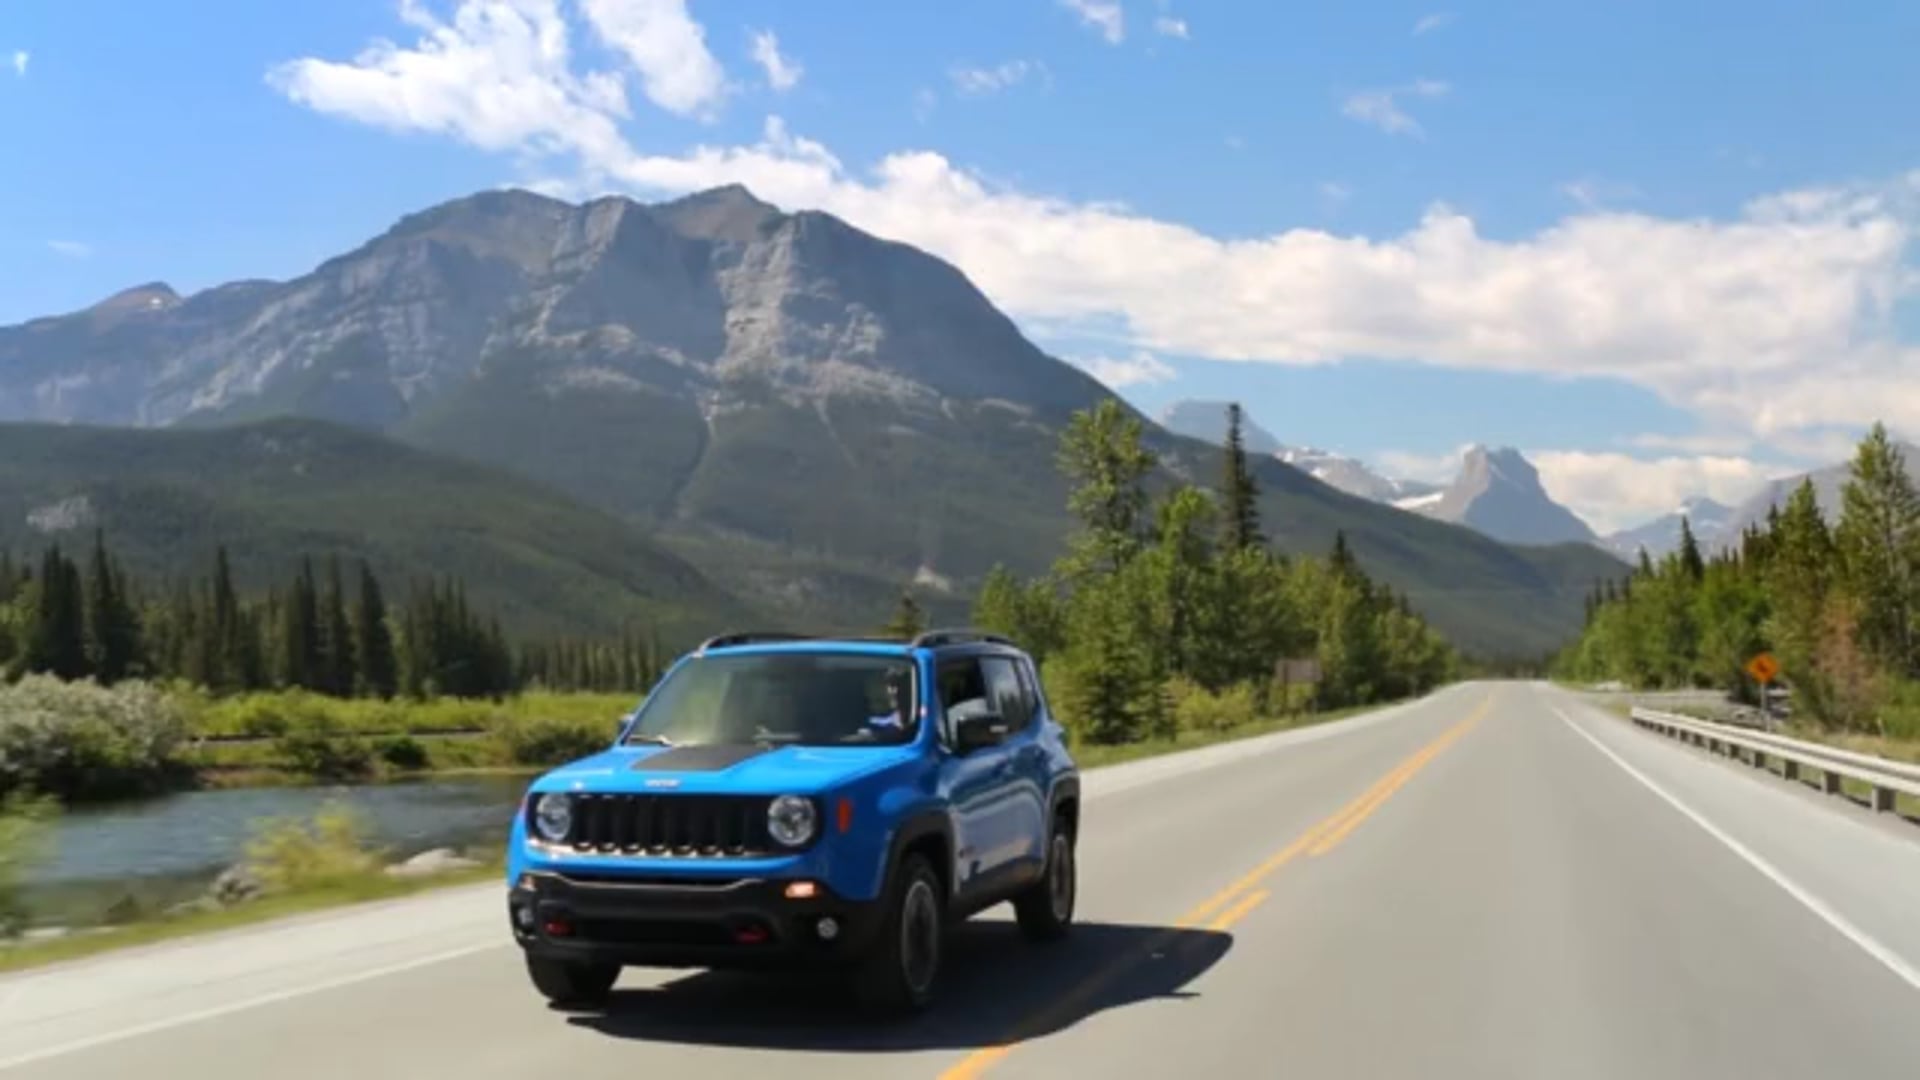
(1233, 903)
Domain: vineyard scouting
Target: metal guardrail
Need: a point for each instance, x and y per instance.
(1883, 776)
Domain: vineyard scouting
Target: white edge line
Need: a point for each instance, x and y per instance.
(216, 1011)
(1891, 960)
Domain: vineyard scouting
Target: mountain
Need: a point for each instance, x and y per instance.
(1828, 485)
(1207, 421)
(1354, 477)
(276, 490)
(810, 415)
(1498, 493)
(1661, 536)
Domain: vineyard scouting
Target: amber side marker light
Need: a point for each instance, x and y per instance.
(802, 890)
(844, 814)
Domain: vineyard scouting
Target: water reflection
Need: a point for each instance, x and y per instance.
(201, 832)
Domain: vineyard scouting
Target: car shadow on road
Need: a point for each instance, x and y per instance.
(995, 987)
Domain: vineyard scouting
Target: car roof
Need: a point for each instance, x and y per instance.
(938, 641)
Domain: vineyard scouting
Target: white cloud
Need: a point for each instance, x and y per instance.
(665, 45)
(782, 73)
(1168, 26)
(20, 60)
(1139, 369)
(1429, 23)
(1593, 194)
(1774, 321)
(1381, 108)
(72, 249)
(1102, 15)
(985, 80)
(1334, 193)
(1431, 468)
(497, 76)
(1617, 491)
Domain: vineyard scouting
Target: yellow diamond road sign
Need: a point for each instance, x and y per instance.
(1763, 667)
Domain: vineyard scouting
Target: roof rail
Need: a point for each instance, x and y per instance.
(749, 637)
(933, 639)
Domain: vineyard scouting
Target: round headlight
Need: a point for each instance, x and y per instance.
(553, 817)
(791, 820)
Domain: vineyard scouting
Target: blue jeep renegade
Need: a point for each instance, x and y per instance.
(783, 800)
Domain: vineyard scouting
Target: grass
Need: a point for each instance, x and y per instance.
(1099, 756)
(355, 890)
(374, 885)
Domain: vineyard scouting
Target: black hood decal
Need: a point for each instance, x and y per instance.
(707, 758)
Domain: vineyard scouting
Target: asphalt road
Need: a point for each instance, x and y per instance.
(1498, 881)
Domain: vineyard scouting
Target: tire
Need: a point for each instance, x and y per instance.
(1045, 911)
(900, 976)
(571, 984)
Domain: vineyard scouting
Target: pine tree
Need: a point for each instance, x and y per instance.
(1240, 494)
(1691, 563)
(908, 619)
(56, 632)
(1878, 541)
(113, 628)
(1798, 581)
(300, 657)
(1107, 465)
(233, 667)
(338, 666)
(373, 640)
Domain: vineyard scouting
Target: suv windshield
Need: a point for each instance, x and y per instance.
(810, 698)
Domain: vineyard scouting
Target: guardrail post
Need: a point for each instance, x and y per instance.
(1790, 768)
(1759, 759)
(1830, 782)
(1883, 799)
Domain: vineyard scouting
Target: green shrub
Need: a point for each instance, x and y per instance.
(1199, 711)
(404, 752)
(318, 745)
(528, 741)
(330, 849)
(84, 741)
(23, 842)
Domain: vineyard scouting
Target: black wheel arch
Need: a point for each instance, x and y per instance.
(920, 830)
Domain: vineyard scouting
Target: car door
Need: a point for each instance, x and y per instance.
(975, 784)
(1023, 810)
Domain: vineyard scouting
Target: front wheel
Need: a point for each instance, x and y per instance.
(572, 984)
(1045, 911)
(900, 975)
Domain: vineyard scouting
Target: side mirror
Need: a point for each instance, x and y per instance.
(977, 731)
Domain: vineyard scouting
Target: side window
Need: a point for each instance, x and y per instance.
(1030, 682)
(963, 689)
(1009, 693)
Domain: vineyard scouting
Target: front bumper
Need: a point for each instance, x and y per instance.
(684, 922)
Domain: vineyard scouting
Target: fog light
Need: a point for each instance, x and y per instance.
(802, 890)
(828, 928)
(523, 918)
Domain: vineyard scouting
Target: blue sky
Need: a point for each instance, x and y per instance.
(1663, 251)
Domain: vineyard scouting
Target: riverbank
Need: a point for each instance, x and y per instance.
(87, 745)
(374, 884)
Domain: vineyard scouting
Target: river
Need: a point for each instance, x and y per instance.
(164, 850)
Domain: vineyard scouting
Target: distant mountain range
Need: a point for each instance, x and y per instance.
(802, 415)
(1828, 484)
(1709, 520)
(1207, 420)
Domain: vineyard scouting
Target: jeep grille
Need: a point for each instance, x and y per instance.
(670, 825)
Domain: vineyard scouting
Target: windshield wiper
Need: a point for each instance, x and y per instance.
(650, 740)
